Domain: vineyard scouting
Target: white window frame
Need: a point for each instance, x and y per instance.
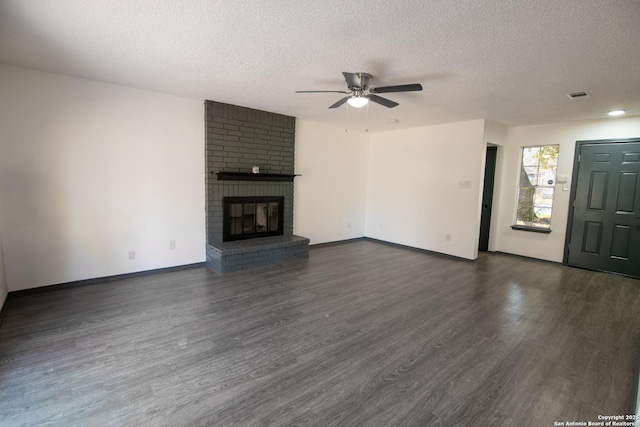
(541, 228)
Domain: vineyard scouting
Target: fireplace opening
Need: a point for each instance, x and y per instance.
(251, 217)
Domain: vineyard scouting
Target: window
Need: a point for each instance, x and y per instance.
(536, 188)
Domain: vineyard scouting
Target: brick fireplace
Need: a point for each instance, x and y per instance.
(237, 139)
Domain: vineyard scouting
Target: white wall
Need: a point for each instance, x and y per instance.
(330, 196)
(417, 183)
(549, 246)
(90, 171)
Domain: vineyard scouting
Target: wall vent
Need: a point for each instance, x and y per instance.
(579, 94)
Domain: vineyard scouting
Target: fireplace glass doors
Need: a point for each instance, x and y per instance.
(251, 217)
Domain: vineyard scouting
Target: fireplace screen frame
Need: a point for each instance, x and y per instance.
(231, 216)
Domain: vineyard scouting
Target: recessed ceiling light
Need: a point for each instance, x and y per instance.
(616, 112)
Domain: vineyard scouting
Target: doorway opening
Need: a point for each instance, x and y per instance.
(487, 198)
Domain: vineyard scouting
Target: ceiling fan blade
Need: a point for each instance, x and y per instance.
(321, 91)
(339, 103)
(382, 101)
(399, 88)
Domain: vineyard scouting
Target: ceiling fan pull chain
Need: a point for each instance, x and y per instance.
(367, 122)
(346, 123)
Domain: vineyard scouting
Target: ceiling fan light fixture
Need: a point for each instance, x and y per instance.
(358, 101)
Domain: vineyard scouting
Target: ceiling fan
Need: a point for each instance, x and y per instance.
(360, 93)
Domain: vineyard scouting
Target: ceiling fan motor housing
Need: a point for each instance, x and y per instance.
(358, 81)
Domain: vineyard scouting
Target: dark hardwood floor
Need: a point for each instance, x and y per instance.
(361, 334)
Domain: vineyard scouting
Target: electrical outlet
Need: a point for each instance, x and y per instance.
(132, 254)
(172, 244)
(448, 237)
(348, 225)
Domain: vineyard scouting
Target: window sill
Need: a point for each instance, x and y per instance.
(531, 229)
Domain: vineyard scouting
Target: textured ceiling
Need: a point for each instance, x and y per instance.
(508, 61)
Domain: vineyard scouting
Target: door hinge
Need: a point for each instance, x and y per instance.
(574, 203)
(579, 157)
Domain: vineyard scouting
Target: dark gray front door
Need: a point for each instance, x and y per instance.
(605, 230)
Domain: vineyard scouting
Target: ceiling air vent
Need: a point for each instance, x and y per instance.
(578, 95)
